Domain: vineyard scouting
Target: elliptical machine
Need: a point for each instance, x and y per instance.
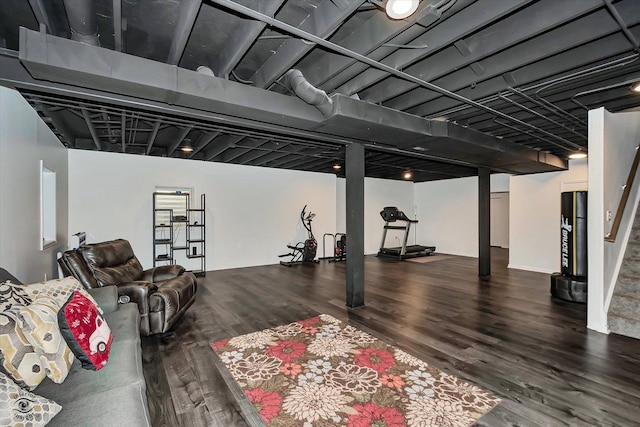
(303, 251)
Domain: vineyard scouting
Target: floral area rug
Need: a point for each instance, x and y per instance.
(320, 372)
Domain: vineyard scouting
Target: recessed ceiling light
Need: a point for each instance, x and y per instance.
(400, 9)
(578, 155)
(407, 175)
(337, 167)
(636, 87)
(187, 149)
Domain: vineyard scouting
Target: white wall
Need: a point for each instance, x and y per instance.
(534, 211)
(251, 212)
(25, 140)
(448, 215)
(612, 142)
(378, 193)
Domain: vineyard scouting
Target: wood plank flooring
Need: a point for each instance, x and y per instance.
(505, 335)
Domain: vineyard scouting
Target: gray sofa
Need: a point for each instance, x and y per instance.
(116, 394)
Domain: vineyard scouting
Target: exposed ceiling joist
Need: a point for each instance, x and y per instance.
(508, 32)
(465, 22)
(152, 136)
(242, 37)
(188, 13)
(39, 8)
(205, 139)
(322, 22)
(179, 139)
(92, 129)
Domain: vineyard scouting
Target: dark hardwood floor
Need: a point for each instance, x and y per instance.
(506, 335)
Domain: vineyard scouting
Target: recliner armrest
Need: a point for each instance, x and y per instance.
(161, 273)
(138, 292)
(106, 297)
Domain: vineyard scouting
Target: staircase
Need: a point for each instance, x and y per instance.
(624, 311)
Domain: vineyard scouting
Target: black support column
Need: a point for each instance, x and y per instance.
(354, 159)
(484, 222)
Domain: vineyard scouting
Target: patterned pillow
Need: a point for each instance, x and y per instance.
(12, 295)
(19, 407)
(39, 322)
(59, 289)
(18, 359)
(85, 331)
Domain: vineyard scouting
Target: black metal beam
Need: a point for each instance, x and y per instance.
(354, 159)
(484, 222)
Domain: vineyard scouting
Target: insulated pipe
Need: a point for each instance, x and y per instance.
(81, 15)
(294, 80)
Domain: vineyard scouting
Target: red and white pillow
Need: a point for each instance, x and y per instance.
(85, 331)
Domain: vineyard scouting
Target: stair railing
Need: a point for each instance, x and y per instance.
(611, 237)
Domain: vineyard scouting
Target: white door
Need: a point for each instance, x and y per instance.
(500, 220)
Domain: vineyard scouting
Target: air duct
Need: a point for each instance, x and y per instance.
(203, 69)
(81, 15)
(294, 80)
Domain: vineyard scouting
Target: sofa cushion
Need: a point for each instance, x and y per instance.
(111, 262)
(124, 323)
(124, 367)
(39, 323)
(19, 407)
(85, 331)
(122, 406)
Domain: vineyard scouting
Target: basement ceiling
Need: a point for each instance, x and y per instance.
(459, 85)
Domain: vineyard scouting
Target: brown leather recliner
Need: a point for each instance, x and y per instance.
(162, 293)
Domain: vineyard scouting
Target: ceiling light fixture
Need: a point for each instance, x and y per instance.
(635, 87)
(407, 175)
(337, 167)
(578, 155)
(400, 9)
(187, 149)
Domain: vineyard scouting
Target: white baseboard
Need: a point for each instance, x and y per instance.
(529, 268)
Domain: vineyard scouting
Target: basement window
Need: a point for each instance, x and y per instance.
(47, 207)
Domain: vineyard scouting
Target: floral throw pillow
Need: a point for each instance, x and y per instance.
(85, 330)
(19, 407)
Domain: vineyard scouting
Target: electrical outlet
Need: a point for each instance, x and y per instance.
(609, 215)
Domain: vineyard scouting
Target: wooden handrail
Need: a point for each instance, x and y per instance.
(611, 237)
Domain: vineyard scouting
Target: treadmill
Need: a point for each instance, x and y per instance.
(391, 214)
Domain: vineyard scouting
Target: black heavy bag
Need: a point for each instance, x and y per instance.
(573, 234)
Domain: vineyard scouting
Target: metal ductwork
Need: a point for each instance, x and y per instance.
(298, 84)
(81, 15)
(340, 119)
